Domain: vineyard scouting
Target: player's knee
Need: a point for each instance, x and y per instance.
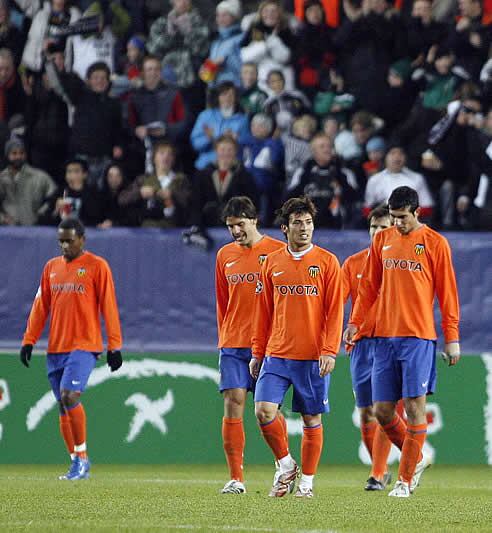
(69, 398)
(384, 414)
(233, 400)
(367, 415)
(263, 414)
(415, 412)
(311, 420)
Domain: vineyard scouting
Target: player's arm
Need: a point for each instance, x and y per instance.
(262, 319)
(368, 289)
(447, 295)
(40, 310)
(346, 280)
(221, 292)
(106, 295)
(333, 309)
(37, 318)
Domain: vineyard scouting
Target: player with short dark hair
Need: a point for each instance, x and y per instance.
(75, 289)
(361, 360)
(296, 336)
(236, 273)
(408, 265)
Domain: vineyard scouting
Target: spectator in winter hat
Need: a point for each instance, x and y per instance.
(224, 60)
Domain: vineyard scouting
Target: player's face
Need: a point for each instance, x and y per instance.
(378, 224)
(242, 230)
(299, 232)
(70, 243)
(404, 220)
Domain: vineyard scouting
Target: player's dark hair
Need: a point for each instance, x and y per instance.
(380, 211)
(73, 223)
(240, 207)
(404, 197)
(77, 161)
(299, 205)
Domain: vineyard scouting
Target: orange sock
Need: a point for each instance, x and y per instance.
(380, 450)
(367, 432)
(66, 433)
(396, 431)
(233, 440)
(78, 424)
(274, 434)
(281, 417)
(311, 446)
(412, 451)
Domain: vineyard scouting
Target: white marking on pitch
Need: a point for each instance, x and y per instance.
(487, 409)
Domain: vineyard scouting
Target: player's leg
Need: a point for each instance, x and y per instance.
(233, 438)
(311, 448)
(374, 438)
(361, 362)
(235, 382)
(270, 390)
(55, 364)
(386, 380)
(418, 358)
(310, 398)
(78, 368)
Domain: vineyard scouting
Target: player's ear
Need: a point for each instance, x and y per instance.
(283, 229)
(417, 212)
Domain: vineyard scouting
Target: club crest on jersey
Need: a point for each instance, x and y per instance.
(261, 259)
(314, 271)
(81, 272)
(259, 287)
(419, 249)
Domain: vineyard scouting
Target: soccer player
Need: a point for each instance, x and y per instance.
(236, 273)
(361, 359)
(408, 265)
(74, 290)
(296, 336)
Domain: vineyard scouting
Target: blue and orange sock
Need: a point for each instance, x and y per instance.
(311, 447)
(78, 423)
(412, 451)
(233, 440)
(66, 433)
(274, 434)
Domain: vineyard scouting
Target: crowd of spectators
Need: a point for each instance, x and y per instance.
(155, 112)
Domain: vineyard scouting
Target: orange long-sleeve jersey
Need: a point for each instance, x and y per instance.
(407, 271)
(75, 294)
(352, 269)
(237, 269)
(299, 306)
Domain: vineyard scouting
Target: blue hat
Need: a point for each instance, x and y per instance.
(137, 42)
(376, 144)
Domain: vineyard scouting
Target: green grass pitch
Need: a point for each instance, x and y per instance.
(174, 498)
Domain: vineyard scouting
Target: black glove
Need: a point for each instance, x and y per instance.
(25, 354)
(114, 359)
(196, 236)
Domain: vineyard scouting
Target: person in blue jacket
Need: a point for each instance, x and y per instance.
(222, 118)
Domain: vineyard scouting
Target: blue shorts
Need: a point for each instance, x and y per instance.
(404, 367)
(69, 371)
(361, 361)
(310, 390)
(234, 369)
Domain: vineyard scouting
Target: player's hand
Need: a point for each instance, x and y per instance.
(114, 359)
(349, 334)
(254, 367)
(326, 365)
(451, 353)
(25, 354)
